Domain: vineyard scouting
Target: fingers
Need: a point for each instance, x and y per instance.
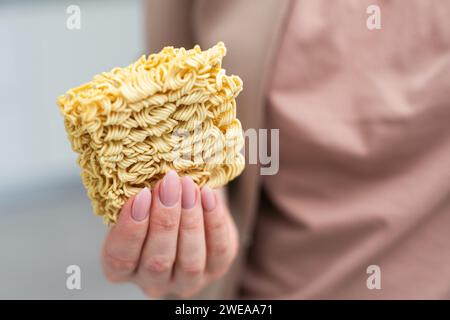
(175, 238)
(159, 252)
(123, 245)
(221, 240)
(191, 250)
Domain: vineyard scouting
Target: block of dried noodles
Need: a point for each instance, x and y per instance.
(175, 109)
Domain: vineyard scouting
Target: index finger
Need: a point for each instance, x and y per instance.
(123, 245)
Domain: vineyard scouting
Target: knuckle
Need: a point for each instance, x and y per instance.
(135, 236)
(220, 249)
(191, 269)
(218, 272)
(217, 224)
(164, 222)
(192, 223)
(117, 264)
(157, 265)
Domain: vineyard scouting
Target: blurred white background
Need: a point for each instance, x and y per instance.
(46, 222)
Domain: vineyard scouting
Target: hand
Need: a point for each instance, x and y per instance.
(175, 239)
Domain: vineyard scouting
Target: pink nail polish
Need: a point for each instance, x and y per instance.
(169, 190)
(208, 199)
(189, 193)
(141, 205)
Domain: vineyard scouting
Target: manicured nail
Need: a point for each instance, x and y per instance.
(169, 190)
(189, 194)
(208, 199)
(141, 205)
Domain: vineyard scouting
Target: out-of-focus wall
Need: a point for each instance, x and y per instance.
(46, 222)
(40, 60)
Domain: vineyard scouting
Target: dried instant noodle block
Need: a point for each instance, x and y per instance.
(175, 109)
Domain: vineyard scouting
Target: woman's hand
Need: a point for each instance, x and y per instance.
(175, 239)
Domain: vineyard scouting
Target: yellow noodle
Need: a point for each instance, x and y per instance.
(174, 109)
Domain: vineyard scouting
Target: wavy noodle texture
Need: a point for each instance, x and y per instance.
(175, 109)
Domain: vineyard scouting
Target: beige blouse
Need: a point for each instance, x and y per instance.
(364, 119)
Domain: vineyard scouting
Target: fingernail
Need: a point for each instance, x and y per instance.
(169, 190)
(208, 199)
(141, 205)
(189, 193)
